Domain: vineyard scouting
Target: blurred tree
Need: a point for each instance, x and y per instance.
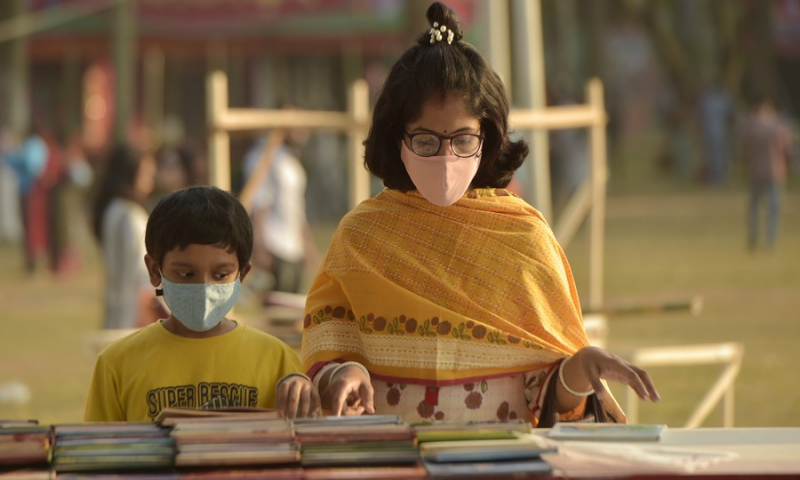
(14, 71)
(735, 48)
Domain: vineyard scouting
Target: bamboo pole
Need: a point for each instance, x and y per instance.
(599, 177)
(728, 354)
(526, 19)
(358, 113)
(222, 120)
(219, 169)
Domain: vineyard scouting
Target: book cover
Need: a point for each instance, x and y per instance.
(484, 450)
(346, 422)
(44, 473)
(111, 463)
(516, 469)
(241, 473)
(450, 431)
(225, 458)
(607, 431)
(364, 433)
(398, 472)
(267, 438)
(170, 414)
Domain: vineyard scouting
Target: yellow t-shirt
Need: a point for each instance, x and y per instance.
(151, 369)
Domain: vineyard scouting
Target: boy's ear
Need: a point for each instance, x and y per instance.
(152, 270)
(245, 271)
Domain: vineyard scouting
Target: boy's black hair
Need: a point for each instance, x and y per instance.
(199, 215)
(433, 69)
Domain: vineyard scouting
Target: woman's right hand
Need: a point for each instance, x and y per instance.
(348, 392)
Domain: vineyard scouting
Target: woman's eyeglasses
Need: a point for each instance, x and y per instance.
(427, 144)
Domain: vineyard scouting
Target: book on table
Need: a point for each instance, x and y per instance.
(111, 446)
(171, 415)
(454, 449)
(355, 441)
(24, 443)
(234, 439)
(619, 432)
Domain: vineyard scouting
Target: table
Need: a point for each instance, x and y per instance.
(754, 452)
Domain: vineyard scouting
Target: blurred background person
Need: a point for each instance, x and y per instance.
(767, 151)
(283, 245)
(716, 111)
(119, 222)
(176, 169)
(29, 162)
(67, 212)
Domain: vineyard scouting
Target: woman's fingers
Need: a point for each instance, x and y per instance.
(600, 364)
(648, 383)
(636, 378)
(339, 400)
(316, 403)
(367, 396)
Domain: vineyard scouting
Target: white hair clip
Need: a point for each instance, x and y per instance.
(437, 31)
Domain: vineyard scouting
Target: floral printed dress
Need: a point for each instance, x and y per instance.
(497, 399)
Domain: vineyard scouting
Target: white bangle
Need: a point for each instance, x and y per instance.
(348, 364)
(564, 384)
(321, 373)
(286, 377)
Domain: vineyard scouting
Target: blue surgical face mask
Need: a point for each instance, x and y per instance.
(200, 306)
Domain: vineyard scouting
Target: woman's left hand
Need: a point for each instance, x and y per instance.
(297, 397)
(595, 363)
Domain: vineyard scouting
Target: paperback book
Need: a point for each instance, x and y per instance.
(607, 432)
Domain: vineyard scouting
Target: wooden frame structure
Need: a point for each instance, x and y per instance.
(729, 355)
(590, 198)
(222, 120)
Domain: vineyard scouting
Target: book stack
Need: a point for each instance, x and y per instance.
(230, 438)
(367, 446)
(24, 449)
(112, 446)
(455, 449)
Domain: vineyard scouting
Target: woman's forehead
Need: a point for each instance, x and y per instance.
(448, 112)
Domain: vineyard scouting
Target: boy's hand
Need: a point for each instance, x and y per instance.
(297, 397)
(349, 392)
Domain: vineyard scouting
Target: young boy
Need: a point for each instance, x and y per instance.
(199, 241)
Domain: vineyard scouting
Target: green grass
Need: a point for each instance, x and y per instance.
(666, 246)
(662, 243)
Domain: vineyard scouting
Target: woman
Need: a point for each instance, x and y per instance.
(445, 296)
(119, 221)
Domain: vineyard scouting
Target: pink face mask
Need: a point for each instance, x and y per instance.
(443, 179)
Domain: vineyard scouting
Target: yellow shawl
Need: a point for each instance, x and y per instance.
(440, 296)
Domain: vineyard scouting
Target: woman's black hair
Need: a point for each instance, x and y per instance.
(199, 215)
(436, 68)
(121, 170)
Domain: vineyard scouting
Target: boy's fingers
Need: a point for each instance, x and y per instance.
(292, 402)
(306, 402)
(280, 398)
